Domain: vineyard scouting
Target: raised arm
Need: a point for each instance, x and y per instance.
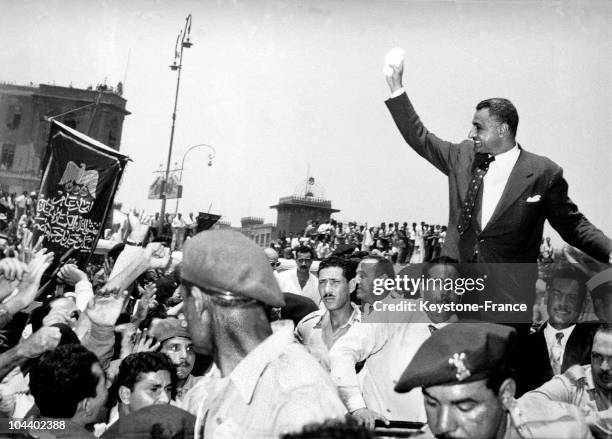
(435, 150)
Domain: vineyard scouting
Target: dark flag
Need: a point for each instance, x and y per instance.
(76, 193)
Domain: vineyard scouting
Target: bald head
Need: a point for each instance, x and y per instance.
(272, 256)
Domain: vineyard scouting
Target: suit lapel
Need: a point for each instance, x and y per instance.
(519, 179)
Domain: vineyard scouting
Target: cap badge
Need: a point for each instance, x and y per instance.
(457, 360)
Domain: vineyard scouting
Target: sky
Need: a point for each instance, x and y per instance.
(286, 89)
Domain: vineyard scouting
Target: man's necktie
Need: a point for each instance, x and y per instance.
(555, 354)
(482, 162)
(432, 329)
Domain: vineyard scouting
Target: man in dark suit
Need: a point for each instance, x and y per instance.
(499, 197)
(560, 342)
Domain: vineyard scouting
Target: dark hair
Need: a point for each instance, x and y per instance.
(61, 378)
(442, 260)
(497, 378)
(38, 314)
(566, 271)
(348, 268)
(134, 365)
(306, 249)
(383, 266)
(502, 110)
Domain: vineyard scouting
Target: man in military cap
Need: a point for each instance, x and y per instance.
(469, 390)
(270, 385)
(176, 343)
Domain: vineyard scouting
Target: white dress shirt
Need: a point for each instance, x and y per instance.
(551, 338)
(289, 283)
(387, 349)
(495, 181)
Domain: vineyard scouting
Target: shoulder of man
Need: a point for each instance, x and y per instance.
(548, 419)
(296, 368)
(310, 320)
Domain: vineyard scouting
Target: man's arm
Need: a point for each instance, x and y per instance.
(426, 144)
(572, 225)
(360, 342)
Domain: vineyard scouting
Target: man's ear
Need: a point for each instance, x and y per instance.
(124, 395)
(503, 129)
(83, 408)
(506, 393)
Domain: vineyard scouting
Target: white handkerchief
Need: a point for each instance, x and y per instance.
(534, 199)
(393, 58)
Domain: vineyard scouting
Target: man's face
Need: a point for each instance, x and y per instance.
(304, 261)
(601, 361)
(469, 410)
(272, 258)
(485, 133)
(434, 291)
(333, 288)
(97, 403)
(365, 281)
(152, 388)
(564, 303)
(180, 351)
(63, 310)
(198, 321)
(602, 305)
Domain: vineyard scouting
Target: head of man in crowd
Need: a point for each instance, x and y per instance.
(335, 273)
(600, 286)
(304, 257)
(601, 358)
(144, 379)
(494, 126)
(226, 283)
(436, 286)
(467, 386)
(272, 256)
(566, 290)
(175, 342)
(371, 270)
(69, 383)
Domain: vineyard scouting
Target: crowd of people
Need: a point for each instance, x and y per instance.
(395, 331)
(219, 341)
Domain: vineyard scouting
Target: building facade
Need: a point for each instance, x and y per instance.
(24, 128)
(294, 211)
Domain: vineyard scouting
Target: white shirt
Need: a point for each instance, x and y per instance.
(289, 283)
(495, 181)
(387, 349)
(551, 338)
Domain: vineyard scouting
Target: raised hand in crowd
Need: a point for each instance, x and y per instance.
(45, 339)
(29, 285)
(11, 273)
(145, 303)
(144, 343)
(104, 309)
(71, 274)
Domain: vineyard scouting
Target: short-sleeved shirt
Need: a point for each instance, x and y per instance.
(276, 389)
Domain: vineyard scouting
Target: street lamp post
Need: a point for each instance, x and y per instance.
(185, 42)
(211, 156)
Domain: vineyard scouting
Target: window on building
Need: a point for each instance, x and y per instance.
(14, 117)
(8, 156)
(267, 239)
(112, 138)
